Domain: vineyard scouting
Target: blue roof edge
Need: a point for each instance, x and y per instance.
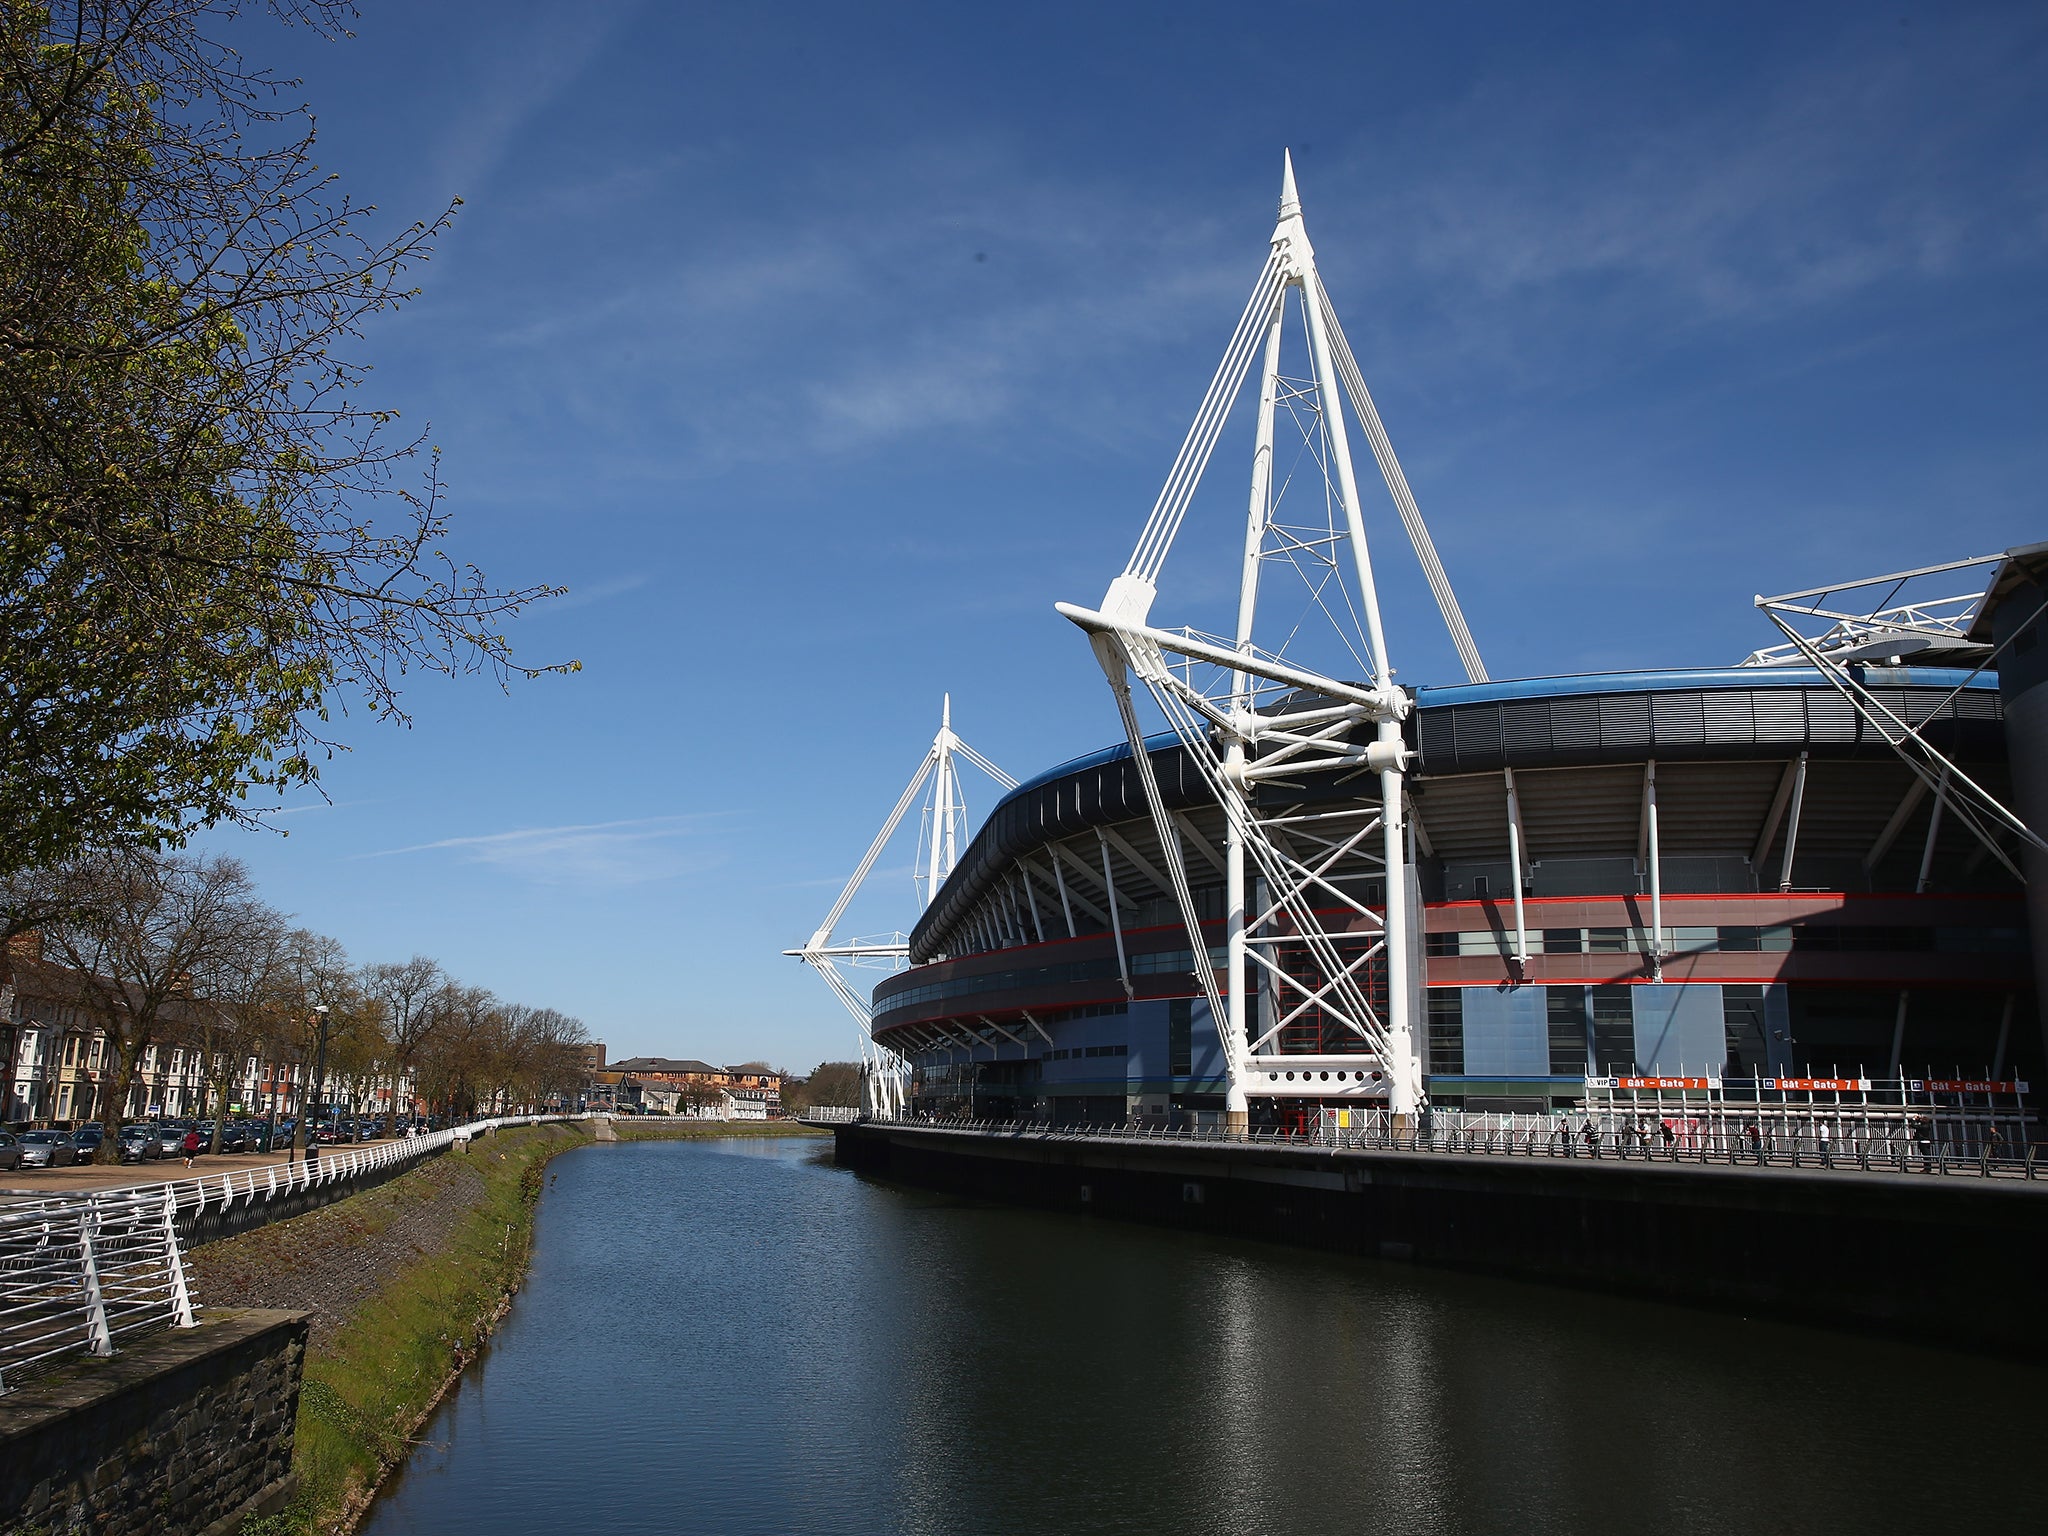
(1440, 695)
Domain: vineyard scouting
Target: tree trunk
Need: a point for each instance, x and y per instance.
(220, 1108)
(128, 1060)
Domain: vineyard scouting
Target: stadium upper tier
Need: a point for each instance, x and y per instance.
(1750, 722)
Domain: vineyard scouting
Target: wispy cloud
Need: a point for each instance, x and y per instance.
(523, 69)
(595, 592)
(1822, 175)
(602, 853)
(877, 878)
(309, 806)
(981, 302)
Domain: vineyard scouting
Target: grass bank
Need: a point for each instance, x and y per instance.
(377, 1375)
(661, 1128)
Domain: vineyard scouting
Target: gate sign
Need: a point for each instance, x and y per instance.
(1665, 1082)
(1819, 1084)
(1964, 1085)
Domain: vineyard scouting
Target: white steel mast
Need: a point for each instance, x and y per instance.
(1265, 720)
(885, 1074)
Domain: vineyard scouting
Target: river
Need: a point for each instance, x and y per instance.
(734, 1336)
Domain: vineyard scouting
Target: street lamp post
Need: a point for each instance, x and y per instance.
(312, 1128)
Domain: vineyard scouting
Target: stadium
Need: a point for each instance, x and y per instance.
(1817, 922)
(1795, 882)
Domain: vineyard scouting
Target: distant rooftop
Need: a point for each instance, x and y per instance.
(662, 1064)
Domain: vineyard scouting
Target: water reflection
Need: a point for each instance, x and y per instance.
(737, 1337)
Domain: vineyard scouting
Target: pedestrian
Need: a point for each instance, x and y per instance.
(1824, 1133)
(191, 1145)
(1670, 1136)
(1591, 1136)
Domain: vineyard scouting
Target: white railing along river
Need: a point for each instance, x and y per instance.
(80, 1272)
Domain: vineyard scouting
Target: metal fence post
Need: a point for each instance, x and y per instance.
(174, 1264)
(99, 1339)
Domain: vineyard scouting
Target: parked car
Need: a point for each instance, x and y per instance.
(47, 1149)
(234, 1137)
(86, 1139)
(10, 1151)
(140, 1144)
(170, 1138)
(280, 1134)
(333, 1131)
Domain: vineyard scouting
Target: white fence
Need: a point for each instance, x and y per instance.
(80, 1272)
(828, 1114)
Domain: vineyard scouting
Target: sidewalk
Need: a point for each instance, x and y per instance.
(82, 1178)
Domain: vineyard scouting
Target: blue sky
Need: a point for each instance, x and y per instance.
(819, 349)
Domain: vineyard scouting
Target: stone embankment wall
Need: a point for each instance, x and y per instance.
(1951, 1259)
(188, 1431)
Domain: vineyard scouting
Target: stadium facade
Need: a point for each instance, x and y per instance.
(1818, 920)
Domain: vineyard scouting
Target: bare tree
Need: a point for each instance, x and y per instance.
(138, 929)
(408, 994)
(461, 1065)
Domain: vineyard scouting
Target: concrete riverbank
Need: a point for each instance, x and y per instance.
(1945, 1259)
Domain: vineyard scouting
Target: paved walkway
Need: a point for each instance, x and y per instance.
(82, 1178)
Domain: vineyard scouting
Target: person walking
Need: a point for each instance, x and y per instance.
(191, 1144)
(1823, 1133)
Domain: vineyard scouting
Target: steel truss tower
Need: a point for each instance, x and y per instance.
(1302, 871)
(942, 829)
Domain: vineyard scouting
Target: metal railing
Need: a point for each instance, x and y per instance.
(828, 1114)
(78, 1273)
(1454, 1134)
(248, 1185)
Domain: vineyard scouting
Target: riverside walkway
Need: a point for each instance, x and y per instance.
(1560, 1142)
